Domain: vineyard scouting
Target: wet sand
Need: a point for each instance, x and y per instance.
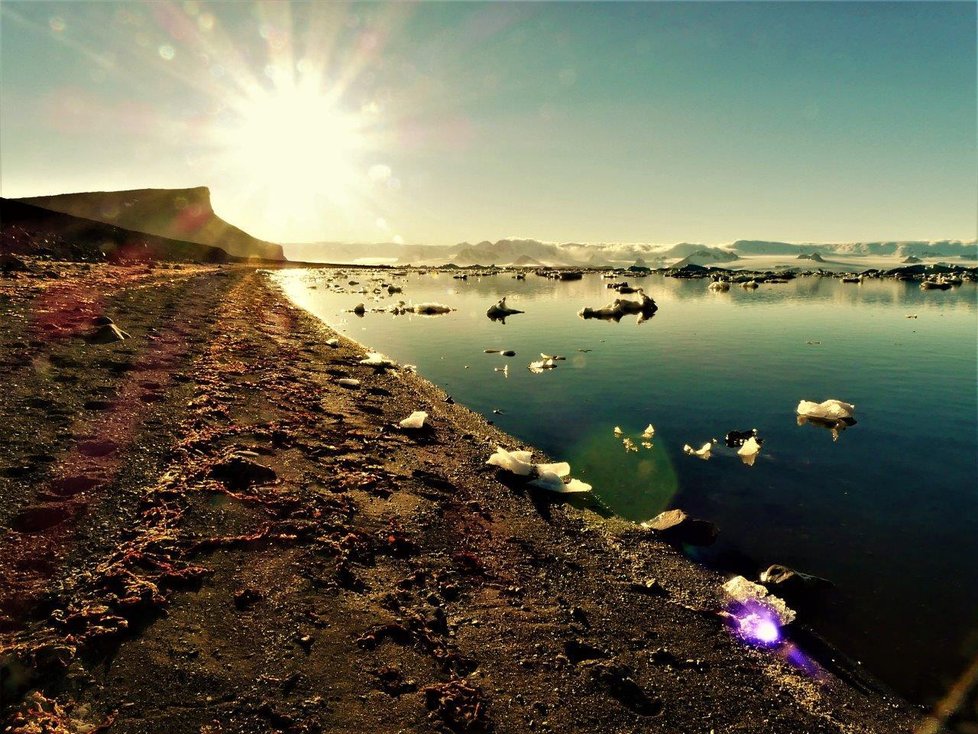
(202, 531)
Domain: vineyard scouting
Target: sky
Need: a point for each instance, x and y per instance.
(439, 123)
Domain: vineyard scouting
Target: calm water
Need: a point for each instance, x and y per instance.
(887, 512)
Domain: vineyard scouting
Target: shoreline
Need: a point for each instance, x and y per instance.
(262, 547)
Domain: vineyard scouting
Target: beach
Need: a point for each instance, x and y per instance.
(205, 531)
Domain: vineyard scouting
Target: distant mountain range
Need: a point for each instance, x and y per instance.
(532, 253)
(183, 215)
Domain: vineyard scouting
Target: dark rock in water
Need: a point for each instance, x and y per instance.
(676, 527)
(789, 583)
(107, 334)
(733, 439)
(240, 473)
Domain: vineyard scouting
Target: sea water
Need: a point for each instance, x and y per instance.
(887, 511)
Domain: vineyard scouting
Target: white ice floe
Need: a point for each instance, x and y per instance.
(828, 410)
(541, 365)
(415, 420)
(649, 431)
(552, 477)
(749, 451)
(618, 431)
(742, 591)
(703, 452)
(376, 359)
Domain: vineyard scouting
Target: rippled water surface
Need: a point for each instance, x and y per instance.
(887, 512)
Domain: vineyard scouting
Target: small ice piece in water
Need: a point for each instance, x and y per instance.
(541, 365)
(828, 410)
(749, 451)
(646, 444)
(376, 359)
(552, 357)
(415, 420)
(618, 431)
(703, 452)
(629, 444)
(332, 342)
(649, 431)
(348, 382)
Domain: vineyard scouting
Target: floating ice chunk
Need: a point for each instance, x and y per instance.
(415, 420)
(829, 410)
(743, 591)
(629, 444)
(348, 382)
(376, 359)
(552, 357)
(541, 365)
(649, 431)
(646, 444)
(749, 451)
(517, 462)
(703, 452)
(618, 431)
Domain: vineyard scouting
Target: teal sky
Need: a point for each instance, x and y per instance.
(442, 122)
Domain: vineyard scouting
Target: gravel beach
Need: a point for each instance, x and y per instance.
(202, 530)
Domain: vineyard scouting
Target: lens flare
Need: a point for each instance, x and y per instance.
(755, 623)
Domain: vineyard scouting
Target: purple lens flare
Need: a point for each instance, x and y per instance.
(755, 623)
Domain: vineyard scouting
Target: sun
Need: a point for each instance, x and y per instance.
(297, 145)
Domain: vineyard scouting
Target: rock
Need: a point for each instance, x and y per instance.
(102, 320)
(107, 334)
(576, 651)
(618, 681)
(789, 583)
(12, 263)
(246, 598)
(240, 473)
(651, 587)
(676, 527)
